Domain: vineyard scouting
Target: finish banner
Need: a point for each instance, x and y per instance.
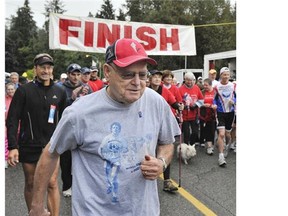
(94, 35)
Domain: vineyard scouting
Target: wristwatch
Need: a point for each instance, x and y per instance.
(164, 163)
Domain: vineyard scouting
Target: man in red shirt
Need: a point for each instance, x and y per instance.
(95, 82)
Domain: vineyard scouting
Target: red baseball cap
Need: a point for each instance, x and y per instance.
(124, 52)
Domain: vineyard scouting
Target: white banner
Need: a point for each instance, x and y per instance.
(94, 35)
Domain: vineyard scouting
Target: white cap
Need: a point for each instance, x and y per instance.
(199, 78)
(224, 69)
(63, 76)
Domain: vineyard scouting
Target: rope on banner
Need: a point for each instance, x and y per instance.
(215, 24)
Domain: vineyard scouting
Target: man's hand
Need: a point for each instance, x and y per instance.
(75, 93)
(151, 167)
(13, 157)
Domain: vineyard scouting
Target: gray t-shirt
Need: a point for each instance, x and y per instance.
(108, 142)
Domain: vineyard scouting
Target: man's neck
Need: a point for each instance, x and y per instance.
(43, 82)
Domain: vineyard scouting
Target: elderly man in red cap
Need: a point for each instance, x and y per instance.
(119, 141)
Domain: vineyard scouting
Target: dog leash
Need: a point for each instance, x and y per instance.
(180, 141)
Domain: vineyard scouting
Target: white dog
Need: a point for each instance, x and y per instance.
(187, 152)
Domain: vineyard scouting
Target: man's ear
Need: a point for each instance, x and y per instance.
(107, 70)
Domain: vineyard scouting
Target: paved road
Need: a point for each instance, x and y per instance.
(206, 189)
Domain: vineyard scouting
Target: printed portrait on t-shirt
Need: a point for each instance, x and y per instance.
(121, 152)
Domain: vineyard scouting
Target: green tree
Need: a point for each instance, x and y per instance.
(211, 39)
(135, 10)
(121, 16)
(60, 56)
(53, 6)
(22, 29)
(107, 11)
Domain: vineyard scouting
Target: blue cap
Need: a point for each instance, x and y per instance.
(73, 67)
(85, 70)
(152, 72)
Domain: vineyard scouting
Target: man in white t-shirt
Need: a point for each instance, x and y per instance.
(225, 99)
(120, 143)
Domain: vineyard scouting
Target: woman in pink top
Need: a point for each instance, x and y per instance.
(10, 89)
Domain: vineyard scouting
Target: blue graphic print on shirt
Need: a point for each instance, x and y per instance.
(118, 151)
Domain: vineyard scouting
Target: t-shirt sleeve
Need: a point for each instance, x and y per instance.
(65, 137)
(169, 127)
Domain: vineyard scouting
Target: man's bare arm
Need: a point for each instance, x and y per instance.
(44, 170)
(166, 152)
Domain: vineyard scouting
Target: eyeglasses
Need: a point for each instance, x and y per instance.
(128, 75)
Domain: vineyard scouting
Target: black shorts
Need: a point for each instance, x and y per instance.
(29, 154)
(225, 120)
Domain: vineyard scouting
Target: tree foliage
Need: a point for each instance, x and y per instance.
(107, 11)
(22, 29)
(23, 40)
(53, 6)
(121, 16)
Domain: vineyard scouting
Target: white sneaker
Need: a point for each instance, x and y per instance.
(226, 149)
(202, 145)
(6, 164)
(221, 161)
(233, 145)
(210, 150)
(67, 193)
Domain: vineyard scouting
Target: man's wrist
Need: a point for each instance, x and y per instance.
(164, 163)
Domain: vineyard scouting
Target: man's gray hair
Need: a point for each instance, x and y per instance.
(14, 74)
(189, 75)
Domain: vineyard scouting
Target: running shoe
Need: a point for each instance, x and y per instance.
(210, 150)
(221, 161)
(233, 145)
(168, 186)
(226, 149)
(67, 193)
